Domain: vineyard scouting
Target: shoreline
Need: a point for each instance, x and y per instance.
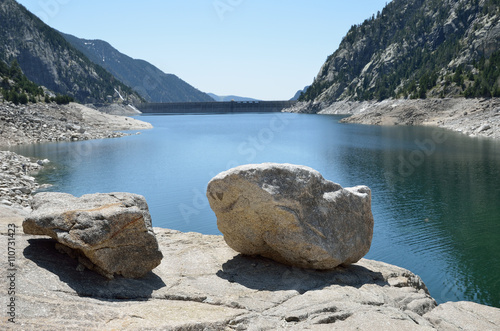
(42, 123)
(472, 117)
(226, 291)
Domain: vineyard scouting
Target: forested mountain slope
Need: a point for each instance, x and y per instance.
(47, 59)
(416, 49)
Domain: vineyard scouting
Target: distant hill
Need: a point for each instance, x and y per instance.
(47, 59)
(229, 98)
(150, 82)
(416, 49)
(299, 93)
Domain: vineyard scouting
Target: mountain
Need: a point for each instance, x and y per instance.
(226, 98)
(16, 87)
(150, 82)
(416, 49)
(299, 93)
(47, 59)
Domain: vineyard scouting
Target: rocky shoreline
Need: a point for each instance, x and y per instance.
(16, 182)
(39, 123)
(473, 117)
(201, 283)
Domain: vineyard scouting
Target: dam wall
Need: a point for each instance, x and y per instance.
(215, 107)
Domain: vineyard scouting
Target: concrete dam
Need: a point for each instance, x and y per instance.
(215, 107)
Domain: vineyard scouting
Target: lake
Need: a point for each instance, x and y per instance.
(436, 194)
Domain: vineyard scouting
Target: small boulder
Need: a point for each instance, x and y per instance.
(484, 127)
(43, 162)
(111, 233)
(291, 214)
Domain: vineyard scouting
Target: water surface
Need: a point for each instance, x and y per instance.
(436, 194)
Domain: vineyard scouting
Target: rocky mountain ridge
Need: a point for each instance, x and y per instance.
(416, 49)
(47, 59)
(150, 82)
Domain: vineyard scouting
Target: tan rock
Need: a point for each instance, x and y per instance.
(205, 285)
(109, 233)
(291, 214)
(464, 316)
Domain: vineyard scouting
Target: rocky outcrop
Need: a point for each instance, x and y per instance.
(204, 284)
(418, 48)
(464, 316)
(109, 233)
(47, 59)
(292, 215)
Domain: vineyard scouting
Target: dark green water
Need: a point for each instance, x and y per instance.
(436, 194)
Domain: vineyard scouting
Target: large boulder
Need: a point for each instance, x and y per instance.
(109, 233)
(291, 214)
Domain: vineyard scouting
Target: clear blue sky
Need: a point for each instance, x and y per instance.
(264, 49)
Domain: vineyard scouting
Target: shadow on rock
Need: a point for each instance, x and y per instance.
(267, 275)
(87, 283)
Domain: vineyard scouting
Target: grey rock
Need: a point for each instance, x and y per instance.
(204, 284)
(72, 127)
(464, 316)
(483, 127)
(364, 58)
(22, 190)
(43, 162)
(109, 233)
(6, 202)
(291, 214)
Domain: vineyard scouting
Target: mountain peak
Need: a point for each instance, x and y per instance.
(150, 82)
(48, 60)
(415, 49)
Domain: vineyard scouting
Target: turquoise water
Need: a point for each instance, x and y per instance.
(436, 194)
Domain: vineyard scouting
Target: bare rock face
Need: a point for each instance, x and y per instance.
(205, 285)
(291, 214)
(111, 233)
(464, 315)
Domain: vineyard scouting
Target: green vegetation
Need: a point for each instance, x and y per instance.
(15, 87)
(410, 50)
(62, 99)
(18, 89)
(49, 60)
(486, 83)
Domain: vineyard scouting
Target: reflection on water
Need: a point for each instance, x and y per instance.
(435, 193)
